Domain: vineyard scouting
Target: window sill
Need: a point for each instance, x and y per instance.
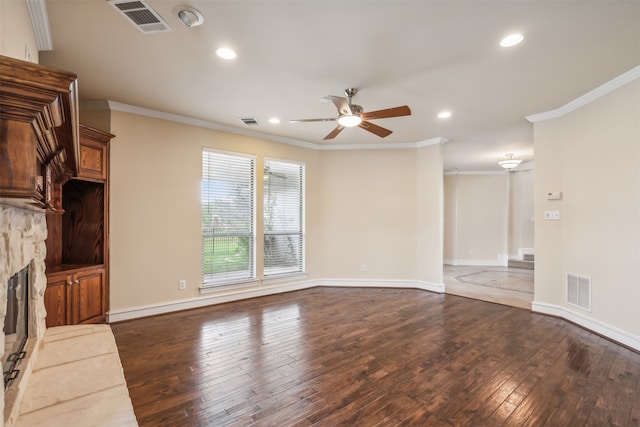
(242, 286)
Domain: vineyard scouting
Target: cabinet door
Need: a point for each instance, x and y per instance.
(93, 160)
(89, 296)
(56, 298)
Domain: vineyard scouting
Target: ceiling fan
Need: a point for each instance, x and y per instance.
(350, 115)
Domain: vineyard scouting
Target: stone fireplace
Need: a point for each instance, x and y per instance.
(22, 244)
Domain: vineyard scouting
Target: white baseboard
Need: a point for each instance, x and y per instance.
(604, 329)
(363, 283)
(502, 262)
(245, 293)
(203, 301)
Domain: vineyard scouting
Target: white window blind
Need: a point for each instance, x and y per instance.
(283, 219)
(228, 218)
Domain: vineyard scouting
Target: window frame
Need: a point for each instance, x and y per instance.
(231, 281)
(301, 232)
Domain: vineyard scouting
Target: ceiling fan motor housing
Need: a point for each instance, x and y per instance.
(356, 110)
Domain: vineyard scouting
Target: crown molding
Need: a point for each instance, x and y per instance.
(589, 97)
(40, 23)
(147, 112)
(452, 172)
(387, 146)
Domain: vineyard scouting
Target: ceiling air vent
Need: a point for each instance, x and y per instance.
(250, 121)
(140, 14)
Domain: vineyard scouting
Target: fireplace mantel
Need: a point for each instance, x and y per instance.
(39, 128)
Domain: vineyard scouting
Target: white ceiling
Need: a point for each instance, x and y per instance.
(430, 55)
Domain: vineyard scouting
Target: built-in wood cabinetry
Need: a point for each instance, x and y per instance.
(51, 163)
(77, 245)
(76, 295)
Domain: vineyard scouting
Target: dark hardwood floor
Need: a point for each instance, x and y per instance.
(367, 357)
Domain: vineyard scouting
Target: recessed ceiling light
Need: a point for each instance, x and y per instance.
(274, 120)
(511, 40)
(226, 53)
(444, 114)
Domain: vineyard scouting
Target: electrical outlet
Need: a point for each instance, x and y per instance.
(363, 267)
(182, 285)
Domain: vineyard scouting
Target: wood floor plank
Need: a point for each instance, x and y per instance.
(372, 356)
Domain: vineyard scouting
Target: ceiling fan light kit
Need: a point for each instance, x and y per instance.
(350, 121)
(352, 115)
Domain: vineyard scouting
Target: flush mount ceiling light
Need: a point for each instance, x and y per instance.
(226, 53)
(274, 120)
(190, 16)
(511, 40)
(509, 162)
(444, 114)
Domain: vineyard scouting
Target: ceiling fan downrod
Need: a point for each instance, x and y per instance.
(350, 93)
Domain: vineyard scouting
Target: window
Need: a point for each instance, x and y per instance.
(228, 218)
(283, 219)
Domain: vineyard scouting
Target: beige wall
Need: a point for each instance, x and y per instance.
(155, 220)
(17, 39)
(592, 155)
(476, 219)
(373, 210)
(381, 215)
(368, 214)
(430, 215)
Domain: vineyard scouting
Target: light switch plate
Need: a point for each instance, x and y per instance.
(551, 215)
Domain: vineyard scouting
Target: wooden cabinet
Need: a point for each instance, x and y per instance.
(77, 244)
(76, 296)
(51, 163)
(93, 154)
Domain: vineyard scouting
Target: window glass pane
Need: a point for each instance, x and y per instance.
(283, 212)
(228, 218)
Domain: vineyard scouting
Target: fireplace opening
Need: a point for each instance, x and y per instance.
(16, 324)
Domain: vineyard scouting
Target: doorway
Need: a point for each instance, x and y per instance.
(488, 236)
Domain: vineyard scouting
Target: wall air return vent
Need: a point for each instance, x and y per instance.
(579, 291)
(250, 121)
(140, 14)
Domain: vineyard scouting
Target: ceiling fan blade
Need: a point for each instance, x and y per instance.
(389, 112)
(334, 132)
(333, 119)
(341, 104)
(378, 130)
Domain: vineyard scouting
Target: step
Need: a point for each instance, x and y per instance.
(528, 257)
(516, 263)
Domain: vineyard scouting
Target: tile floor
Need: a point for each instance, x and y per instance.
(502, 285)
